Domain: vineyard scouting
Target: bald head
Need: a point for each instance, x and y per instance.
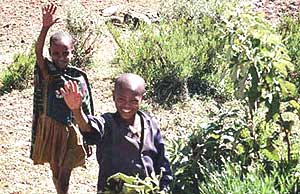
(130, 82)
(61, 37)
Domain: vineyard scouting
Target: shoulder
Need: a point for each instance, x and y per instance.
(150, 120)
(76, 70)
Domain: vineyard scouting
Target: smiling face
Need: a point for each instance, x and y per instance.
(61, 50)
(127, 104)
(128, 96)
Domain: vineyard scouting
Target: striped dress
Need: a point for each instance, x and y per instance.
(55, 137)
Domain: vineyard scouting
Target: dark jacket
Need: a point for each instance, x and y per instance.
(120, 150)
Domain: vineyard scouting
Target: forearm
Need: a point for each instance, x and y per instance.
(39, 47)
(82, 120)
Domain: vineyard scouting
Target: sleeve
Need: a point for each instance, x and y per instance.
(162, 165)
(98, 128)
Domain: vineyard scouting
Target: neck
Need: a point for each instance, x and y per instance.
(135, 121)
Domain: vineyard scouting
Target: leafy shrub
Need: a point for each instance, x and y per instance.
(85, 29)
(233, 180)
(195, 9)
(186, 172)
(19, 73)
(135, 185)
(167, 55)
(289, 28)
(259, 67)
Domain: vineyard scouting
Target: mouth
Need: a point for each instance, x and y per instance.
(126, 111)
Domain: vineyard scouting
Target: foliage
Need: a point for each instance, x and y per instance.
(260, 67)
(19, 73)
(289, 28)
(194, 9)
(136, 185)
(167, 55)
(225, 139)
(232, 180)
(185, 171)
(86, 30)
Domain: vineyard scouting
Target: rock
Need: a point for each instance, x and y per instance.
(109, 11)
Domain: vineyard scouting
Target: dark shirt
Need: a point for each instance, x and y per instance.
(121, 150)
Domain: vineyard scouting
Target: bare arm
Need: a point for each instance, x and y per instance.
(48, 21)
(72, 97)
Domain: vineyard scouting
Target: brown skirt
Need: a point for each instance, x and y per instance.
(58, 144)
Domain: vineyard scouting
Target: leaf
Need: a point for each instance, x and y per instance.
(124, 177)
(287, 88)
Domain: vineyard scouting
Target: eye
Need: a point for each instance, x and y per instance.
(66, 53)
(134, 102)
(120, 100)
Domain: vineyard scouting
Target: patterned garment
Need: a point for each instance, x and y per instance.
(47, 100)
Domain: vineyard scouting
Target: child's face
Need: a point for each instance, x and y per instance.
(127, 103)
(61, 53)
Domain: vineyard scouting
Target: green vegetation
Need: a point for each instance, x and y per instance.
(86, 30)
(19, 74)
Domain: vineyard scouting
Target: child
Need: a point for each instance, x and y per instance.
(55, 138)
(129, 140)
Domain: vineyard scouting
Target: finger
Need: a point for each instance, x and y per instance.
(66, 87)
(75, 86)
(57, 20)
(54, 9)
(43, 10)
(72, 87)
(62, 91)
(47, 8)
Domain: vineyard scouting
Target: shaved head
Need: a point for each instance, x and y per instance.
(60, 37)
(130, 82)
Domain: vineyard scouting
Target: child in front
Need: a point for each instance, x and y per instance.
(129, 140)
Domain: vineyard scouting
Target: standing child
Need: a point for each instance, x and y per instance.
(55, 137)
(129, 140)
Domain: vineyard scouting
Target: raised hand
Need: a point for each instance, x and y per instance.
(48, 15)
(72, 95)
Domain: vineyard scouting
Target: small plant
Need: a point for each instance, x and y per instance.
(85, 29)
(135, 185)
(19, 73)
(232, 180)
(289, 28)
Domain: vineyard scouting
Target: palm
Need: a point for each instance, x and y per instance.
(71, 95)
(48, 15)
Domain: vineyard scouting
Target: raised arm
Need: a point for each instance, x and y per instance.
(72, 97)
(48, 20)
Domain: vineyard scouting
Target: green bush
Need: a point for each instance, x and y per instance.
(86, 30)
(19, 74)
(135, 185)
(232, 180)
(168, 55)
(182, 54)
(289, 28)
